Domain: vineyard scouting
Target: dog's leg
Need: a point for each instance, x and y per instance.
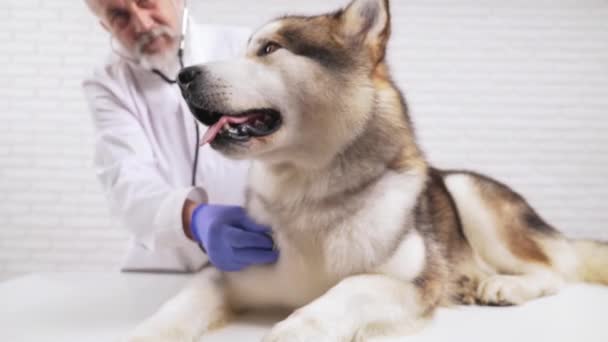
(523, 256)
(358, 308)
(200, 307)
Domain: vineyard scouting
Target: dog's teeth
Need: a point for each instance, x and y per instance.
(259, 124)
(231, 129)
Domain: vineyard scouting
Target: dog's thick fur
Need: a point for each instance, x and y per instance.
(372, 238)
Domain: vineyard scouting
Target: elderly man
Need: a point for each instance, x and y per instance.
(182, 204)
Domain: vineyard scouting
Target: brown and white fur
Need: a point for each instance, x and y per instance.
(372, 238)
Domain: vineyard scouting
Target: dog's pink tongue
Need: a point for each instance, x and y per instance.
(214, 130)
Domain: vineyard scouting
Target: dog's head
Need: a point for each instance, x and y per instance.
(304, 90)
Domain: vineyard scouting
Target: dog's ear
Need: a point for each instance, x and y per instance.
(368, 21)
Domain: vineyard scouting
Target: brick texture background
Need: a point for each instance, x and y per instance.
(515, 89)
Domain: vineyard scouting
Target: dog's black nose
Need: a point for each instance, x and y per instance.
(188, 75)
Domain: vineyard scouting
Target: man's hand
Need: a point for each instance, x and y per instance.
(233, 241)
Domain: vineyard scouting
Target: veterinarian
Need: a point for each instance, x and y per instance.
(181, 202)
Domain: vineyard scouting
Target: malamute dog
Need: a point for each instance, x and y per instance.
(372, 238)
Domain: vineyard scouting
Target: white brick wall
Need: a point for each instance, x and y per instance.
(52, 214)
(516, 89)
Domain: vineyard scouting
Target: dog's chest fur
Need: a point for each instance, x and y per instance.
(325, 235)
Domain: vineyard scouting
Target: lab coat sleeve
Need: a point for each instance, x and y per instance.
(128, 172)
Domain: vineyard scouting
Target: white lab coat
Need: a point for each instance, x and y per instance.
(144, 153)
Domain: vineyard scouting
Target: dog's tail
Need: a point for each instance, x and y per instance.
(592, 261)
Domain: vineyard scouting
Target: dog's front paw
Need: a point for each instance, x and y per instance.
(300, 327)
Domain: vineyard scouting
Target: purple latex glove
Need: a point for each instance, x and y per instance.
(232, 240)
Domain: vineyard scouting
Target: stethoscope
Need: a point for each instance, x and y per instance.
(182, 45)
(180, 56)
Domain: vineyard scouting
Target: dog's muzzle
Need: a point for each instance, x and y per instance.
(190, 81)
(227, 125)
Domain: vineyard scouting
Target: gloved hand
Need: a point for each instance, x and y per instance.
(232, 240)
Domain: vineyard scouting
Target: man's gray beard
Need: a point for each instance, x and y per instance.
(166, 61)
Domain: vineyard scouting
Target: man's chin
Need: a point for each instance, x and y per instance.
(164, 60)
(159, 45)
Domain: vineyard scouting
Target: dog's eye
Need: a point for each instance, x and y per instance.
(269, 48)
